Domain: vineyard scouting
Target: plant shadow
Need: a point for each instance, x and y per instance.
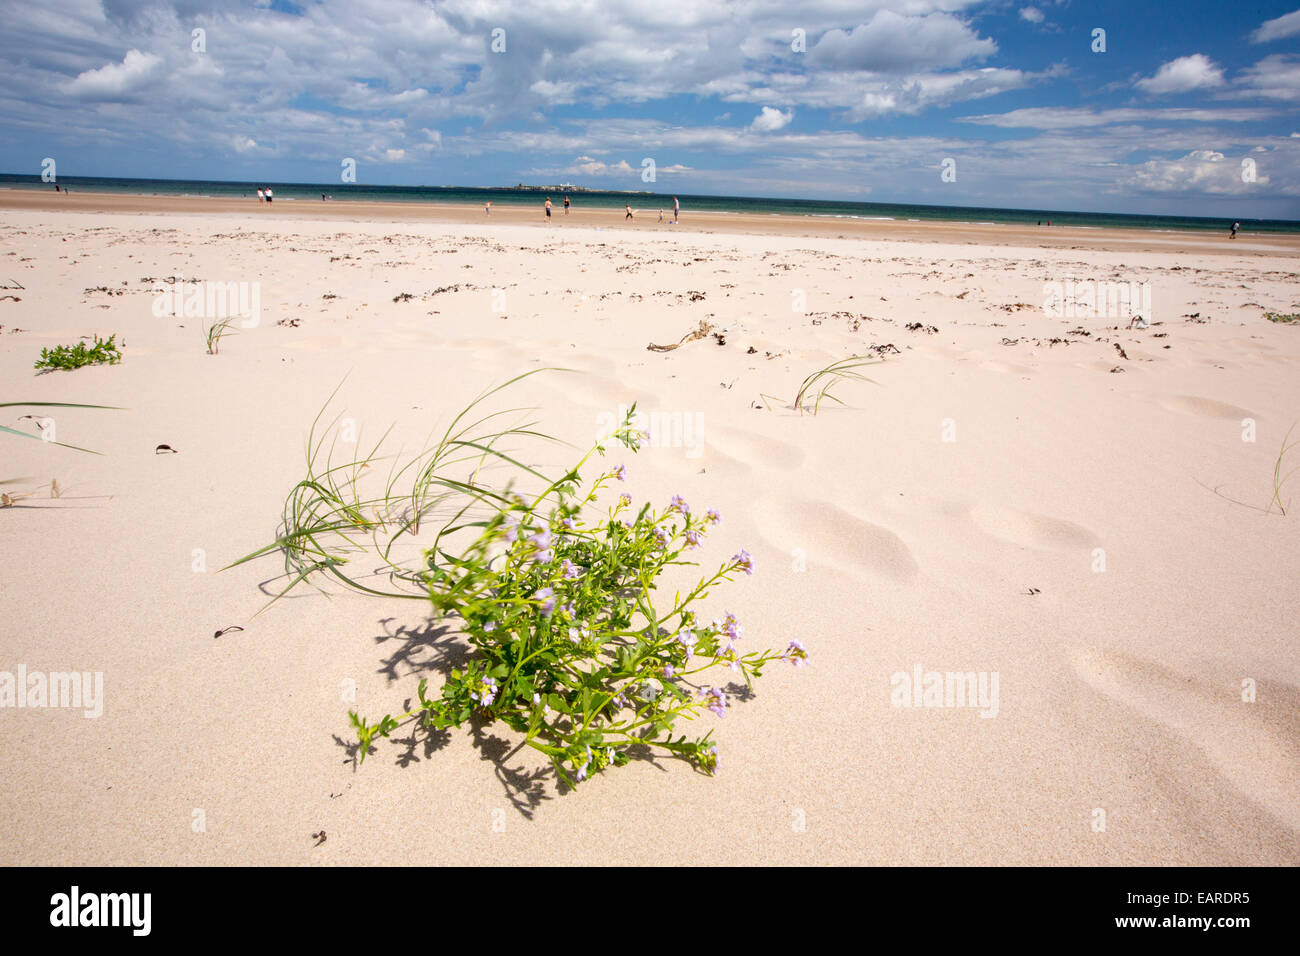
(431, 648)
(421, 650)
(428, 648)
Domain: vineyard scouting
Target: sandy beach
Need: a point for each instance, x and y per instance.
(1078, 510)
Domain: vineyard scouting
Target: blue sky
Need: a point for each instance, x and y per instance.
(820, 99)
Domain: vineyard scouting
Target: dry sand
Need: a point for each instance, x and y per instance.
(878, 544)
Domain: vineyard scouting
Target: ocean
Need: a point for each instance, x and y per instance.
(645, 201)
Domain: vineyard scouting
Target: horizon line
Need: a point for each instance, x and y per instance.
(792, 199)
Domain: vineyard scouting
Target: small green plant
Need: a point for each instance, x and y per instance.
(215, 332)
(572, 644)
(1280, 478)
(1283, 318)
(575, 649)
(103, 352)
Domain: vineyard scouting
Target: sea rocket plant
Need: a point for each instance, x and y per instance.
(571, 648)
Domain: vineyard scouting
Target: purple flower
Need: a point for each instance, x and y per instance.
(693, 538)
(625, 499)
(489, 627)
(679, 504)
(661, 538)
(485, 692)
(708, 758)
(743, 561)
(621, 473)
(688, 640)
(719, 703)
(569, 569)
(547, 597)
(511, 527)
(795, 654)
(568, 523)
(669, 670)
(730, 626)
(712, 517)
(541, 541)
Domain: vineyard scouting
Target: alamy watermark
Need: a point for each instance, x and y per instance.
(1086, 299)
(922, 688)
(204, 299)
(75, 908)
(683, 430)
(36, 689)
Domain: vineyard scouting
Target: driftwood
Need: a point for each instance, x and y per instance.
(698, 333)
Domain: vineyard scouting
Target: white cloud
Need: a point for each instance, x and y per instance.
(1284, 26)
(771, 119)
(557, 93)
(588, 166)
(913, 94)
(891, 43)
(1183, 75)
(1031, 14)
(116, 79)
(1069, 117)
(1276, 77)
(1200, 171)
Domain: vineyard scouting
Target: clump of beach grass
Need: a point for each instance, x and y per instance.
(818, 386)
(328, 521)
(1283, 318)
(1280, 476)
(215, 332)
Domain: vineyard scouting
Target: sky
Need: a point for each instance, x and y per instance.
(1182, 108)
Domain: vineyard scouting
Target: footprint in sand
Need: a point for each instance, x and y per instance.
(325, 343)
(749, 448)
(831, 535)
(1253, 746)
(1203, 407)
(603, 392)
(1031, 530)
(993, 365)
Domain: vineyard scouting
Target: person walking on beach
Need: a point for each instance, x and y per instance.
(661, 215)
(261, 196)
(268, 193)
(487, 208)
(548, 207)
(628, 209)
(676, 210)
(1233, 233)
(566, 204)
